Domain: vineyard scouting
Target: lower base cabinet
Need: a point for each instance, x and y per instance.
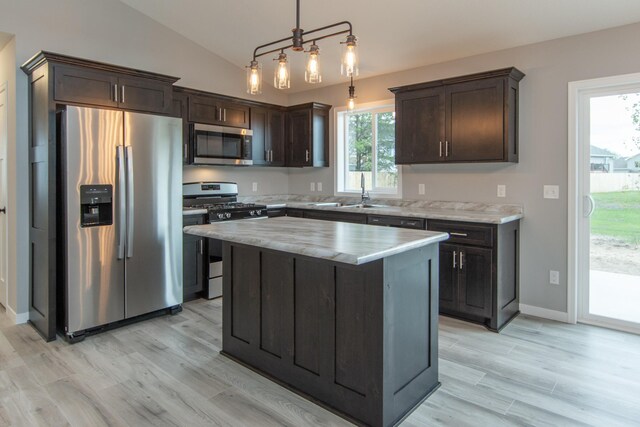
(193, 261)
(479, 272)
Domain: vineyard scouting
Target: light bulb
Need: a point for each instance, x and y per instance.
(254, 78)
(351, 104)
(349, 65)
(312, 72)
(281, 79)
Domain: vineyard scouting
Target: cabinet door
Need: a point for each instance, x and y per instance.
(203, 109)
(233, 114)
(420, 126)
(337, 216)
(475, 279)
(192, 267)
(85, 86)
(276, 137)
(299, 138)
(475, 121)
(448, 278)
(144, 95)
(259, 126)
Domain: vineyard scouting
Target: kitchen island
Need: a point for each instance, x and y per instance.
(346, 314)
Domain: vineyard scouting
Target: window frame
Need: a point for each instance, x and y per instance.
(340, 148)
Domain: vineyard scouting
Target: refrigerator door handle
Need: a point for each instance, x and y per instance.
(130, 201)
(122, 225)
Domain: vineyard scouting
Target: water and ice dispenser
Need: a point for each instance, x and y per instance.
(96, 205)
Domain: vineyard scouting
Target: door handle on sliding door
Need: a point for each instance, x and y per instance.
(130, 201)
(122, 197)
(592, 205)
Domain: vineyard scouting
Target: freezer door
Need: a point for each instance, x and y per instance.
(95, 276)
(153, 146)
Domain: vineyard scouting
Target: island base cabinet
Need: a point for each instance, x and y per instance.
(357, 338)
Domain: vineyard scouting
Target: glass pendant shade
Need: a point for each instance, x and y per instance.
(312, 72)
(282, 76)
(349, 66)
(351, 104)
(254, 78)
(351, 101)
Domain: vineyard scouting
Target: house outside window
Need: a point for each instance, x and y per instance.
(366, 146)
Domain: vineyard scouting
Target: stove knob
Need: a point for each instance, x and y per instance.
(258, 212)
(252, 213)
(220, 216)
(227, 215)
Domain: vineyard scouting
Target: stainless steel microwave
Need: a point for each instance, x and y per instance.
(220, 145)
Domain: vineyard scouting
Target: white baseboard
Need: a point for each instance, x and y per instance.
(17, 318)
(545, 313)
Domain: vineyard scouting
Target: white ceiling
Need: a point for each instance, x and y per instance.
(392, 35)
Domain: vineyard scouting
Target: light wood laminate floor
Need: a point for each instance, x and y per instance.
(167, 372)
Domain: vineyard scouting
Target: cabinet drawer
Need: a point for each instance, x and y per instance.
(465, 232)
(396, 221)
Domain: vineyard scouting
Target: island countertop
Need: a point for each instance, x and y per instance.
(336, 241)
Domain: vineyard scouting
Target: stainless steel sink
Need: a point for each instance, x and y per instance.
(364, 206)
(327, 204)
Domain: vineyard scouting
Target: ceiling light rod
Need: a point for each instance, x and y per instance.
(297, 41)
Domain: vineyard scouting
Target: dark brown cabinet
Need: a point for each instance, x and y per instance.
(193, 257)
(268, 140)
(209, 109)
(335, 216)
(86, 85)
(479, 275)
(308, 135)
(464, 119)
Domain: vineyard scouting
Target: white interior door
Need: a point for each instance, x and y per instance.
(608, 205)
(3, 194)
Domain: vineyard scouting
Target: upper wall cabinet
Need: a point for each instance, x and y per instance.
(267, 124)
(308, 135)
(80, 81)
(212, 110)
(471, 118)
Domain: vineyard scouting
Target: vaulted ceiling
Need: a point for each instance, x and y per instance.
(392, 35)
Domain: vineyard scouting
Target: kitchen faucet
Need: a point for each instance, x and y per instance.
(365, 197)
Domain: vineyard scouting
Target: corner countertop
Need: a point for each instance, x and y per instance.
(335, 241)
(444, 210)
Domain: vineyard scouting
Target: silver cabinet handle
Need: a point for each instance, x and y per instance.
(130, 201)
(121, 221)
(186, 152)
(307, 155)
(455, 254)
(201, 246)
(122, 94)
(440, 148)
(446, 148)
(115, 93)
(453, 233)
(224, 117)
(461, 260)
(592, 205)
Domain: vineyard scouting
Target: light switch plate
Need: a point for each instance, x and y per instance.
(551, 192)
(421, 189)
(502, 190)
(254, 186)
(313, 186)
(554, 277)
(319, 186)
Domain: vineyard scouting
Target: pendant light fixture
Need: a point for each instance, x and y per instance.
(312, 73)
(351, 101)
(296, 42)
(282, 76)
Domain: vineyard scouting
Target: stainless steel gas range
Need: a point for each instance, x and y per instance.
(218, 201)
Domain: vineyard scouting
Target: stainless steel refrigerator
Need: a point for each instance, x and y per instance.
(123, 211)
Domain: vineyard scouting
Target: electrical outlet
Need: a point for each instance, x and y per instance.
(502, 190)
(421, 189)
(319, 186)
(554, 277)
(313, 186)
(551, 192)
(254, 186)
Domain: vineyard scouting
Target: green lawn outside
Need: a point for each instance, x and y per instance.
(617, 214)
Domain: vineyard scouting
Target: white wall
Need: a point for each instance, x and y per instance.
(112, 32)
(548, 66)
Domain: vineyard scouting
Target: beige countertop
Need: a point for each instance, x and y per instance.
(334, 241)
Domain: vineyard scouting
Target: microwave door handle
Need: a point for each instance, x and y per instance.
(122, 226)
(130, 201)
